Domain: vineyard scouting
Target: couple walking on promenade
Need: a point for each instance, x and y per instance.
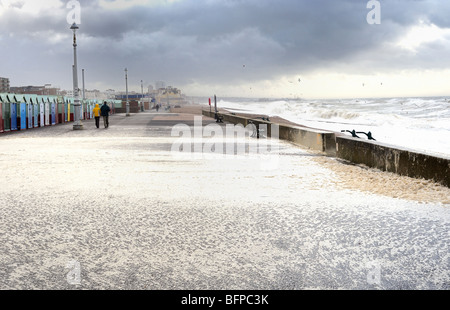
(104, 112)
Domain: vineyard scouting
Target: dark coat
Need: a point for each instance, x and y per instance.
(105, 109)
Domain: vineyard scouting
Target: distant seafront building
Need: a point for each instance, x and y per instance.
(169, 96)
(160, 94)
(4, 85)
(160, 85)
(96, 94)
(110, 93)
(46, 90)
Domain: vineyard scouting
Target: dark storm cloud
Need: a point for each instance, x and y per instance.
(232, 41)
(210, 40)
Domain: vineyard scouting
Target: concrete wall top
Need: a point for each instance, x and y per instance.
(401, 161)
(391, 146)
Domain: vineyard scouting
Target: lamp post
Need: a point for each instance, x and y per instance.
(84, 93)
(84, 89)
(77, 107)
(126, 82)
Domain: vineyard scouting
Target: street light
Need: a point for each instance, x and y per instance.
(84, 89)
(84, 93)
(77, 107)
(126, 82)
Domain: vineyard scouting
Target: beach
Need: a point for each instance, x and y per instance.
(117, 208)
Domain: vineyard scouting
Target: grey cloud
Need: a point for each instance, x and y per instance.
(210, 41)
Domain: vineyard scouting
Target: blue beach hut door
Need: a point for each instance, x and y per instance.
(13, 116)
(23, 116)
(53, 114)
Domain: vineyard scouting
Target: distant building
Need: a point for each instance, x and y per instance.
(110, 93)
(123, 94)
(4, 85)
(131, 95)
(96, 94)
(45, 90)
(159, 85)
(170, 96)
(90, 94)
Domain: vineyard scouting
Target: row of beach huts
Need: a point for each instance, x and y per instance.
(22, 112)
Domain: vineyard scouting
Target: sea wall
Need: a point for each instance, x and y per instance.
(370, 153)
(394, 159)
(311, 138)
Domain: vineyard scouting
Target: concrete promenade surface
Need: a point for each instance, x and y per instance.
(117, 209)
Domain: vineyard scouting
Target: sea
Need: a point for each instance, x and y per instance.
(421, 124)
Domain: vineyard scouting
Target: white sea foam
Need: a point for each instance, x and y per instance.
(421, 124)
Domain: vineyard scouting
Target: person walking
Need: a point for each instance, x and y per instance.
(105, 109)
(96, 112)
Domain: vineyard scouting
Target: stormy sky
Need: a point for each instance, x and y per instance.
(248, 48)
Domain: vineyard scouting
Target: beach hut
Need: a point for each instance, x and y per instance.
(91, 109)
(13, 111)
(70, 109)
(35, 101)
(6, 113)
(66, 109)
(61, 110)
(117, 104)
(26, 100)
(1, 116)
(7, 104)
(30, 110)
(83, 109)
(56, 110)
(2, 123)
(87, 104)
(41, 105)
(53, 105)
(29, 116)
(46, 101)
(19, 112)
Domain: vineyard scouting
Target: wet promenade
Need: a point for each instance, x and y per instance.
(116, 208)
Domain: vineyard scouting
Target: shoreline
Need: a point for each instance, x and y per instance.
(375, 155)
(198, 110)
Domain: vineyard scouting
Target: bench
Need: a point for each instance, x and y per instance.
(257, 132)
(219, 118)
